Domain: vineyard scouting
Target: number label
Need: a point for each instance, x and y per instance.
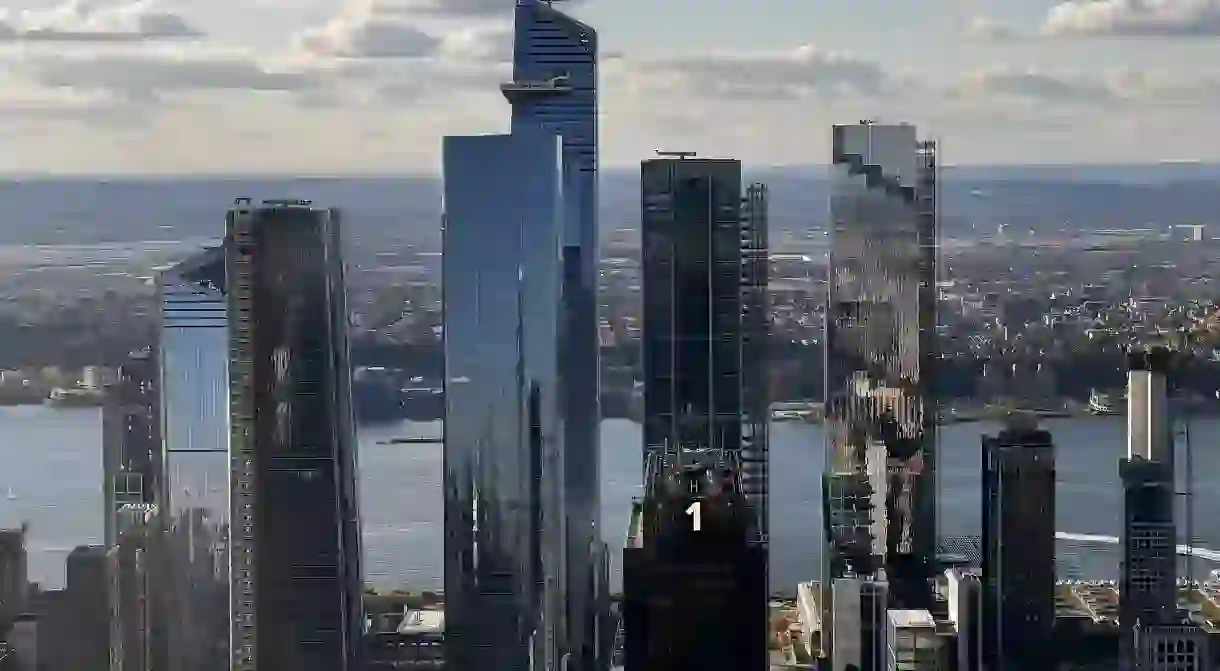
(693, 511)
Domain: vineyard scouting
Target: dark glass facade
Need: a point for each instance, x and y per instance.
(296, 531)
(1148, 591)
(697, 598)
(132, 615)
(194, 356)
(131, 448)
(692, 262)
(1149, 552)
(86, 610)
(554, 89)
(134, 473)
(694, 599)
(755, 356)
(1018, 585)
(880, 475)
(504, 519)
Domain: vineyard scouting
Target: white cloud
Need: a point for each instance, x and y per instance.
(147, 77)
(370, 29)
(496, 8)
(491, 43)
(782, 75)
(1037, 86)
(83, 21)
(1173, 18)
(982, 28)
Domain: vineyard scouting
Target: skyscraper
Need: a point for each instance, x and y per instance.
(14, 581)
(295, 541)
(131, 447)
(755, 354)
(694, 576)
(880, 478)
(554, 88)
(194, 386)
(87, 615)
(860, 624)
(132, 613)
(504, 450)
(1148, 574)
(133, 470)
(1018, 586)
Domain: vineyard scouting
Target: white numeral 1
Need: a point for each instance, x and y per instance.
(693, 511)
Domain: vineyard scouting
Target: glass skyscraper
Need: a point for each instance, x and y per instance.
(695, 597)
(194, 387)
(296, 552)
(504, 438)
(880, 476)
(554, 88)
(131, 459)
(1018, 586)
(133, 468)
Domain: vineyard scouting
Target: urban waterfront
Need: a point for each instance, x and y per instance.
(52, 480)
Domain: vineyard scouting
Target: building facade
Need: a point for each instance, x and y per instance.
(14, 581)
(554, 88)
(1171, 648)
(755, 353)
(295, 540)
(132, 614)
(194, 387)
(131, 438)
(692, 296)
(1018, 585)
(704, 331)
(860, 625)
(133, 468)
(504, 440)
(86, 615)
(1148, 574)
(914, 644)
(694, 585)
(880, 475)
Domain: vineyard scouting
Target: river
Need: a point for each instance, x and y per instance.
(50, 459)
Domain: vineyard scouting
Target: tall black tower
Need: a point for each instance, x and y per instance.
(296, 553)
(1148, 575)
(1018, 590)
(695, 571)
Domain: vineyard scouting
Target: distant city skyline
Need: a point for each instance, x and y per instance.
(357, 86)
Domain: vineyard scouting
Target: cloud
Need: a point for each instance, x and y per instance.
(370, 29)
(468, 7)
(1037, 86)
(440, 80)
(145, 78)
(788, 75)
(82, 21)
(982, 28)
(1148, 18)
(75, 109)
(487, 44)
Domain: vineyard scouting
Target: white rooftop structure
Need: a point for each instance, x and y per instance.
(422, 622)
(911, 619)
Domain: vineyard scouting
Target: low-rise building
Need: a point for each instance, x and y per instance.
(913, 642)
(411, 639)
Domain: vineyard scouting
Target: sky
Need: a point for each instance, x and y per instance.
(370, 86)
